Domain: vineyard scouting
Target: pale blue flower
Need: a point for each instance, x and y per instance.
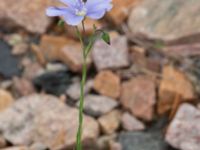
(76, 10)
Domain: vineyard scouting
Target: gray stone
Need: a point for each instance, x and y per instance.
(74, 89)
(165, 19)
(99, 105)
(44, 119)
(184, 131)
(142, 141)
(55, 83)
(9, 64)
(111, 56)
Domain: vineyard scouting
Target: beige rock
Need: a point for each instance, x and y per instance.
(107, 83)
(103, 141)
(183, 50)
(38, 146)
(138, 56)
(6, 84)
(56, 67)
(155, 19)
(31, 16)
(2, 142)
(16, 148)
(142, 61)
(121, 10)
(138, 96)
(6, 99)
(98, 105)
(32, 70)
(72, 55)
(22, 86)
(14, 39)
(51, 46)
(20, 49)
(44, 119)
(115, 145)
(174, 82)
(130, 123)
(63, 49)
(110, 122)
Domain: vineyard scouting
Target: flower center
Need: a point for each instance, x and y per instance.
(81, 12)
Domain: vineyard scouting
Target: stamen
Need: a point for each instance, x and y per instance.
(81, 12)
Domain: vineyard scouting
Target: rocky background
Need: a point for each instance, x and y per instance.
(142, 91)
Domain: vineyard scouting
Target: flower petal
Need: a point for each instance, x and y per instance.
(105, 6)
(71, 18)
(92, 3)
(96, 15)
(98, 11)
(69, 2)
(55, 11)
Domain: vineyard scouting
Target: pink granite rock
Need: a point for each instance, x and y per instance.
(44, 118)
(130, 123)
(30, 15)
(139, 96)
(111, 56)
(184, 131)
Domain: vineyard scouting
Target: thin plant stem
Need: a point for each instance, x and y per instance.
(78, 33)
(81, 103)
(83, 26)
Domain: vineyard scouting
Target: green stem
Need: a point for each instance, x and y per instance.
(83, 26)
(81, 103)
(80, 37)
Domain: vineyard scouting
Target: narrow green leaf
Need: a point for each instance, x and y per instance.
(159, 44)
(90, 44)
(61, 23)
(105, 37)
(94, 27)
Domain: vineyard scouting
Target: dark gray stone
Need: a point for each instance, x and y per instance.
(142, 141)
(53, 82)
(9, 64)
